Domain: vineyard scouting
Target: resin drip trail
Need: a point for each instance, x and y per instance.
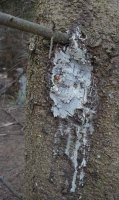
(70, 92)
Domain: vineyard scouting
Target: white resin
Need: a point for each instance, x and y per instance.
(71, 79)
(71, 83)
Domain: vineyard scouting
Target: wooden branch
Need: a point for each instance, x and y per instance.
(27, 26)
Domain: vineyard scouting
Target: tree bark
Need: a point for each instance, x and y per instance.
(48, 176)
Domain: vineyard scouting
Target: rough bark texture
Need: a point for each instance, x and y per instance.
(45, 180)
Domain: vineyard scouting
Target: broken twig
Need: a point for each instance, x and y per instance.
(27, 26)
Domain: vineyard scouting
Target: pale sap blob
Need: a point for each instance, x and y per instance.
(71, 79)
(71, 82)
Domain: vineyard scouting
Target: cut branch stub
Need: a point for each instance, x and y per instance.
(27, 26)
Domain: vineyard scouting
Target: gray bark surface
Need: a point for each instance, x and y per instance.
(99, 20)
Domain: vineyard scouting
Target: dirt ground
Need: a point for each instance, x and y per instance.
(11, 148)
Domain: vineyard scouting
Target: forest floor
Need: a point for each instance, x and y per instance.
(11, 148)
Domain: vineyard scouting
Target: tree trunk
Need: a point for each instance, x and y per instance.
(64, 159)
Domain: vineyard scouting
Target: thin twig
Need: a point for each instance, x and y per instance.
(10, 188)
(4, 134)
(13, 117)
(6, 87)
(51, 47)
(7, 124)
